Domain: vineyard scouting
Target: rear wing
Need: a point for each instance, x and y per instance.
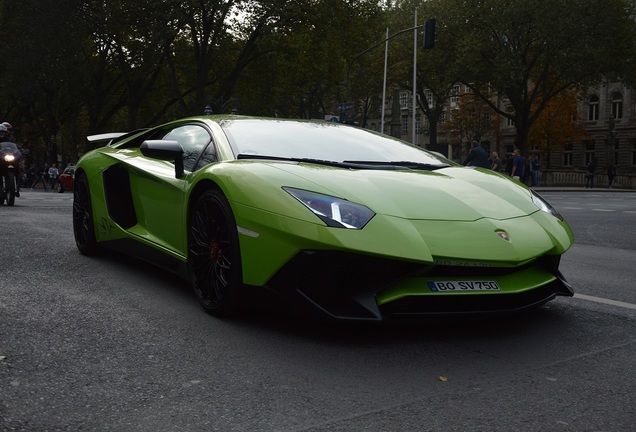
(108, 139)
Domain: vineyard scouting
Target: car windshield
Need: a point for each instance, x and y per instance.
(321, 141)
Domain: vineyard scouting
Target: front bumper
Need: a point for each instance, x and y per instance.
(355, 287)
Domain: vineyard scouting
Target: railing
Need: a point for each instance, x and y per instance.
(577, 178)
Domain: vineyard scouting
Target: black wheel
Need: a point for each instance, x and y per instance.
(83, 227)
(10, 188)
(214, 256)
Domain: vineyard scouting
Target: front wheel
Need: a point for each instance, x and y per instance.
(9, 187)
(83, 227)
(214, 256)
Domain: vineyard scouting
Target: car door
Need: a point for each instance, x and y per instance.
(159, 196)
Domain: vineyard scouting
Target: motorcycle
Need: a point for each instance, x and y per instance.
(10, 157)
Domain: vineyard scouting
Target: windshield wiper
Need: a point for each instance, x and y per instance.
(402, 165)
(345, 164)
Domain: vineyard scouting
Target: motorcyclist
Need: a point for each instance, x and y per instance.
(10, 162)
(8, 133)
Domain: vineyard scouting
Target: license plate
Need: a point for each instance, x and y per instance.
(464, 285)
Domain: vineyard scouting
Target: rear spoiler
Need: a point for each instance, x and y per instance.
(107, 139)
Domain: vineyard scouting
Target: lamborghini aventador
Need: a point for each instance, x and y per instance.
(331, 218)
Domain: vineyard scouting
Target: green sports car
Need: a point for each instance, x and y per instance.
(338, 220)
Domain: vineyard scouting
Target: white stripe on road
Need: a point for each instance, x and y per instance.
(606, 301)
(603, 210)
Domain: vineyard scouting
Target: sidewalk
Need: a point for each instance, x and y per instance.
(579, 189)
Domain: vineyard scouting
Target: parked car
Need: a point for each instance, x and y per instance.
(67, 177)
(339, 220)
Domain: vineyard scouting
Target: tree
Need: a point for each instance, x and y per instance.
(41, 69)
(437, 75)
(471, 119)
(558, 124)
(302, 64)
(530, 51)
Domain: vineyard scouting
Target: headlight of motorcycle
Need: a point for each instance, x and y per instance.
(335, 212)
(544, 205)
(9, 158)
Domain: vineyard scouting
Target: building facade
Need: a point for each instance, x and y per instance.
(607, 113)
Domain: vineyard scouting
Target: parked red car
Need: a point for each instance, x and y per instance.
(67, 177)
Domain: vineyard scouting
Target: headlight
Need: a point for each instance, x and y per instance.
(9, 158)
(335, 212)
(544, 205)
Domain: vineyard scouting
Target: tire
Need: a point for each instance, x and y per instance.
(213, 255)
(10, 188)
(83, 227)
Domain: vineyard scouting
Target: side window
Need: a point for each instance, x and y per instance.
(208, 156)
(194, 140)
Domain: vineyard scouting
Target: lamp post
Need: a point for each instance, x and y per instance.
(369, 49)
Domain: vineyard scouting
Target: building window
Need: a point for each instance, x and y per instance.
(567, 154)
(455, 94)
(509, 122)
(617, 106)
(426, 124)
(633, 152)
(404, 99)
(592, 108)
(405, 125)
(430, 100)
(589, 145)
(418, 123)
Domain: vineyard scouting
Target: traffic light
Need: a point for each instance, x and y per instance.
(429, 34)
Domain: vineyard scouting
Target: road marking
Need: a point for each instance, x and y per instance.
(603, 210)
(606, 301)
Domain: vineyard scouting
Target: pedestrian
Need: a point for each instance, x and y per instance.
(527, 173)
(495, 162)
(508, 165)
(591, 173)
(477, 156)
(611, 173)
(518, 165)
(54, 175)
(46, 173)
(39, 177)
(536, 171)
(31, 175)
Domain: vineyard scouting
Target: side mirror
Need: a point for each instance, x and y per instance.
(165, 150)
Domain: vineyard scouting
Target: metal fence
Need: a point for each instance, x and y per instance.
(577, 178)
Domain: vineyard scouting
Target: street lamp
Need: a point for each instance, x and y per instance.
(208, 110)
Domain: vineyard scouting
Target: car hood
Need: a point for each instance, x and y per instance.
(452, 194)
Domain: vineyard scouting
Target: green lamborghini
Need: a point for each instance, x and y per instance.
(333, 219)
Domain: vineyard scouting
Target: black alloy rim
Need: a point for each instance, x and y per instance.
(211, 251)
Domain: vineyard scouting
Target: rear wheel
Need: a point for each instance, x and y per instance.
(214, 255)
(83, 227)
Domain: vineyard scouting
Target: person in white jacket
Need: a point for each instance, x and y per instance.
(54, 176)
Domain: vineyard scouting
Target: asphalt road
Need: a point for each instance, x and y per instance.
(109, 344)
